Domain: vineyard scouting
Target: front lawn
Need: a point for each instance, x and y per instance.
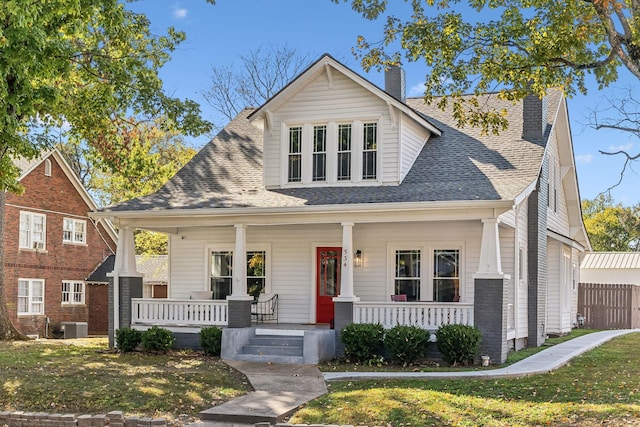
(602, 386)
(83, 377)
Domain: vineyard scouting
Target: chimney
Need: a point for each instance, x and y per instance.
(394, 83)
(534, 117)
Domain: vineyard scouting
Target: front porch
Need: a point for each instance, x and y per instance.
(200, 313)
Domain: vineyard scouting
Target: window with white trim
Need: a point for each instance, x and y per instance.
(221, 275)
(344, 152)
(30, 296)
(320, 153)
(74, 230)
(295, 154)
(72, 292)
(552, 184)
(446, 275)
(407, 273)
(370, 151)
(33, 230)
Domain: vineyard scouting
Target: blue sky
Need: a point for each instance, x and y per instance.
(218, 35)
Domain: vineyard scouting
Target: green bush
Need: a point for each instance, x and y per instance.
(157, 339)
(211, 340)
(406, 343)
(458, 344)
(362, 340)
(127, 339)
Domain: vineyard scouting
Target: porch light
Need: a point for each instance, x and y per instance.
(357, 259)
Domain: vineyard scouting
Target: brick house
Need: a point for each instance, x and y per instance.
(51, 247)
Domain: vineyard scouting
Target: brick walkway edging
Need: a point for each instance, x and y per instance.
(43, 419)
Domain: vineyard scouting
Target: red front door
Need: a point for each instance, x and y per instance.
(327, 282)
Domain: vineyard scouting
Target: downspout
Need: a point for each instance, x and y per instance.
(518, 269)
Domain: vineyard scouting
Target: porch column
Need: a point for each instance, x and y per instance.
(490, 262)
(125, 283)
(343, 303)
(490, 295)
(239, 302)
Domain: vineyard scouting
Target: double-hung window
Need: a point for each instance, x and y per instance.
(369, 151)
(33, 230)
(256, 273)
(295, 154)
(320, 153)
(222, 273)
(407, 273)
(344, 152)
(30, 296)
(446, 275)
(72, 292)
(74, 230)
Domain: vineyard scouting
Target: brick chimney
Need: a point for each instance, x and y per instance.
(534, 117)
(394, 83)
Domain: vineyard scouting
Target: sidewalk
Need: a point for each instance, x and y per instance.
(546, 360)
(281, 389)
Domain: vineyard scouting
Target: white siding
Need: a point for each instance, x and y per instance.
(522, 279)
(557, 220)
(320, 102)
(554, 257)
(292, 253)
(413, 138)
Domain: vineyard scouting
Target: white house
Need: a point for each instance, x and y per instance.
(336, 195)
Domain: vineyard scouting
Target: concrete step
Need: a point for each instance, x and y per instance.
(262, 358)
(273, 350)
(281, 341)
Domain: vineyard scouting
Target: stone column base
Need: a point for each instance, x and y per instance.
(490, 316)
(343, 316)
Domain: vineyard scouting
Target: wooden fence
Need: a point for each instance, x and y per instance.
(607, 306)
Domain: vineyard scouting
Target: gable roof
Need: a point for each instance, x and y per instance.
(326, 63)
(459, 165)
(611, 260)
(155, 268)
(27, 166)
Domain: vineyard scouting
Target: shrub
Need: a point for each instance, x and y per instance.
(458, 343)
(211, 340)
(362, 340)
(406, 343)
(157, 339)
(127, 339)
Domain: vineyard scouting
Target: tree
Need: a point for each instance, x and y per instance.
(622, 114)
(513, 47)
(611, 227)
(148, 159)
(261, 74)
(82, 65)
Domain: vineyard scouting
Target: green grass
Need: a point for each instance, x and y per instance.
(84, 377)
(601, 386)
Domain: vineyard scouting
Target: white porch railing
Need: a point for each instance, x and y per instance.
(427, 315)
(159, 312)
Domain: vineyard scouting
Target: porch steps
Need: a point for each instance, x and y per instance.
(273, 347)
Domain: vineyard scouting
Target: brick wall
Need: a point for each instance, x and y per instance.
(56, 197)
(43, 419)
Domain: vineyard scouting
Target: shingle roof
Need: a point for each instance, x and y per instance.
(459, 165)
(154, 267)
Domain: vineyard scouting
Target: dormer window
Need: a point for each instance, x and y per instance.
(344, 152)
(330, 153)
(320, 153)
(369, 152)
(295, 154)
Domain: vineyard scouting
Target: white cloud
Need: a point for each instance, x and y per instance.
(180, 12)
(584, 158)
(625, 147)
(416, 90)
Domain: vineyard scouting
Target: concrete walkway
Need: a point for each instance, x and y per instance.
(544, 361)
(281, 389)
